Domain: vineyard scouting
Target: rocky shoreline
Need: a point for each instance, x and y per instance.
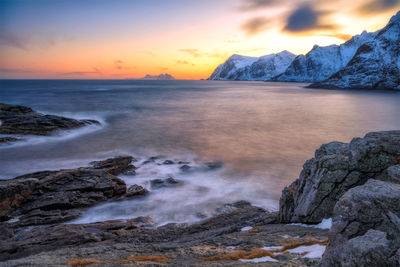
(355, 184)
(21, 121)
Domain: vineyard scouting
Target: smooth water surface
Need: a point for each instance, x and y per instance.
(262, 132)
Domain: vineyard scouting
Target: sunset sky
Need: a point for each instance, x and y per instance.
(96, 39)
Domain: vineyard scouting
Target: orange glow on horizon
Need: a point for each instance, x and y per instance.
(190, 47)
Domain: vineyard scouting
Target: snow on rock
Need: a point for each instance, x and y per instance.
(244, 68)
(262, 259)
(325, 224)
(246, 228)
(313, 251)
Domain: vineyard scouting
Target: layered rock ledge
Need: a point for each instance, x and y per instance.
(56, 196)
(21, 120)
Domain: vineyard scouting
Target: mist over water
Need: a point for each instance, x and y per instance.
(262, 132)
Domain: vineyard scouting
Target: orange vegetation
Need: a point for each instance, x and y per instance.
(146, 258)
(82, 262)
(255, 230)
(240, 254)
(396, 160)
(258, 253)
(294, 244)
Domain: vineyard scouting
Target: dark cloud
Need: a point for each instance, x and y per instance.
(118, 64)
(8, 38)
(305, 18)
(192, 52)
(255, 25)
(257, 4)
(375, 6)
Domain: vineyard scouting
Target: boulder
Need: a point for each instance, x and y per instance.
(335, 169)
(366, 227)
(136, 190)
(394, 173)
(168, 182)
(116, 166)
(24, 120)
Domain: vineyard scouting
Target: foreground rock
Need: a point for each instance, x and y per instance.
(23, 120)
(55, 196)
(335, 169)
(184, 245)
(366, 227)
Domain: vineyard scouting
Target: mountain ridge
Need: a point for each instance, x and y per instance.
(368, 60)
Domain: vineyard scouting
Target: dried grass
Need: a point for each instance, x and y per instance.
(294, 244)
(146, 258)
(255, 230)
(240, 254)
(259, 253)
(82, 262)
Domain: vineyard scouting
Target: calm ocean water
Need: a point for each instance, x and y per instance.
(262, 132)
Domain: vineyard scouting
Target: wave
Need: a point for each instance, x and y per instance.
(200, 194)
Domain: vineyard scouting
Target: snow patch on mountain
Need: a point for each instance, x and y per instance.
(375, 65)
(244, 68)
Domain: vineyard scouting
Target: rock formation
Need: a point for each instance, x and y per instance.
(366, 227)
(23, 120)
(335, 169)
(56, 196)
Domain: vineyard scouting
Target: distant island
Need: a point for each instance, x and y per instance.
(164, 76)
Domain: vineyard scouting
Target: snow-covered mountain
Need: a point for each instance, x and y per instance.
(322, 62)
(375, 65)
(244, 68)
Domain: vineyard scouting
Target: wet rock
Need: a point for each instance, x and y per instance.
(136, 190)
(8, 139)
(185, 168)
(56, 196)
(335, 169)
(366, 227)
(168, 162)
(168, 182)
(213, 165)
(23, 120)
(116, 166)
(150, 160)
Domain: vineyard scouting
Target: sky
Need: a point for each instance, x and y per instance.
(99, 39)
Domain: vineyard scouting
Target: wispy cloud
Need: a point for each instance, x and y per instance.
(255, 25)
(7, 70)
(247, 5)
(182, 62)
(191, 51)
(81, 73)
(8, 38)
(119, 64)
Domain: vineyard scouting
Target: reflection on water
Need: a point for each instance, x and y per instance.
(263, 132)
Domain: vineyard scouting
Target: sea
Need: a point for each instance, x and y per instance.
(258, 134)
